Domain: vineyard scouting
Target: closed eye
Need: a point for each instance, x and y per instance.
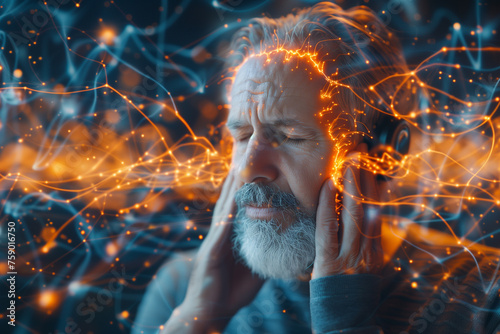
(291, 140)
(278, 137)
(243, 137)
(295, 141)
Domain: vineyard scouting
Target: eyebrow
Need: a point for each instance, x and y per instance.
(280, 123)
(235, 125)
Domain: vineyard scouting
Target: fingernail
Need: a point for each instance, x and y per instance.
(330, 184)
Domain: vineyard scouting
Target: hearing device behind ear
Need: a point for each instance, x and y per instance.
(389, 136)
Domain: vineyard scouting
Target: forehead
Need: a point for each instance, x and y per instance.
(275, 87)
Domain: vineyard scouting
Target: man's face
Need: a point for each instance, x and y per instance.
(282, 154)
(279, 137)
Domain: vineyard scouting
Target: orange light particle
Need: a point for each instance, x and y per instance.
(47, 299)
(107, 36)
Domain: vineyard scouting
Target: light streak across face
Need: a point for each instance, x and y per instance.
(98, 158)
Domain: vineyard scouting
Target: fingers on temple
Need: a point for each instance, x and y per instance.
(327, 226)
(372, 227)
(352, 211)
(370, 193)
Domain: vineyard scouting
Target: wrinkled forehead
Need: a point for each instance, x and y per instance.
(278, 82)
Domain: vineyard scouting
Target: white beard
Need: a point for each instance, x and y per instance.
(275, 252)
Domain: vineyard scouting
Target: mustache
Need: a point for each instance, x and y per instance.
(264, 195)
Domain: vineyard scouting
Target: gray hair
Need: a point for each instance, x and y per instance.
(355, 46)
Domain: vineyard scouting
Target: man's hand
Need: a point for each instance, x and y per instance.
(349, 243)
(218, 286)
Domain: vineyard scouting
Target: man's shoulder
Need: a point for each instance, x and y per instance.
(165, 292)
(457, 257)
(171, 279)
(445, 284)
(180, 262)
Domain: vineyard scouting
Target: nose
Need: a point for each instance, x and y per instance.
(259, 160)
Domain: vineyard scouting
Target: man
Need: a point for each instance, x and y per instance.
(297, 241)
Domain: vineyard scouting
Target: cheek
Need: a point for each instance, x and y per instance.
(306, 173)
